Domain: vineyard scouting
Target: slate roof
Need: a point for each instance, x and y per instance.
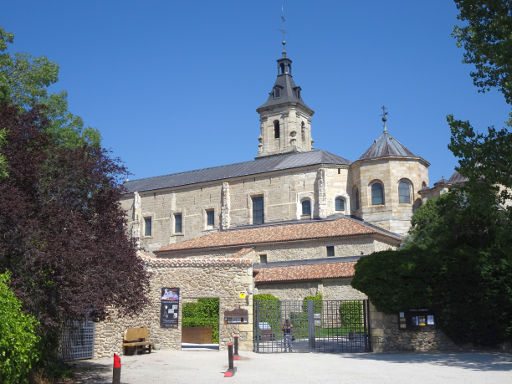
(311, 230)
(253, 167)
(288, 91)
(386, 146)
(457, 178)
(304, 272)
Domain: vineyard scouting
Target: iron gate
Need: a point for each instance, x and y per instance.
(78, 340)
(316, 326)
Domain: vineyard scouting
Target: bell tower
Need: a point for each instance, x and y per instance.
(285, 118)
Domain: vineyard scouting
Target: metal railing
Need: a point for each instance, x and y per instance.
(311, 326)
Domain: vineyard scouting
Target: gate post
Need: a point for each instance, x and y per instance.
(368, 327)
(311, 324)
(256, 326)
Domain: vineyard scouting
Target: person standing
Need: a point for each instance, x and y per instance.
(287, 335)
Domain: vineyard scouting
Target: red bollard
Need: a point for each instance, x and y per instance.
(235, 356)
(231, 369)
(116, 378)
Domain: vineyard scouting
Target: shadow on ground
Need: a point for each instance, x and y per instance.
(473, 361)
(88, 371)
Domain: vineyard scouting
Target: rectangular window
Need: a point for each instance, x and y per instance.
(330, 250)
(263, 259)
(178, 223)
(210, 218)
(147, 226)
(258, 214)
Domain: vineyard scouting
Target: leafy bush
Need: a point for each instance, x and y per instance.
(351, 316)
(204, 313)
(269, 310)
(18, 338)
(317, 306)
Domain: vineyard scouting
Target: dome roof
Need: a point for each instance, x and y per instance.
(386, 146)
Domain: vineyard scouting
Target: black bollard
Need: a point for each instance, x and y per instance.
(116, 378)
(231, 370)
(235, 356)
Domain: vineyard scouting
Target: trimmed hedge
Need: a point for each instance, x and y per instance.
(204, 313)
(317, 306)
(351, 316)
(269, 311)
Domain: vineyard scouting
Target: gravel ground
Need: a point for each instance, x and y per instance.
(208, 367)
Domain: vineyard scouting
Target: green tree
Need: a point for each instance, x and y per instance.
(457, 259)
(24, 81)
(486, 36)
(18, 337)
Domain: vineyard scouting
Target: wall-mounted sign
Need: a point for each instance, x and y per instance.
(242, 295)
(416, 319)
(169, 307)
(236, 316)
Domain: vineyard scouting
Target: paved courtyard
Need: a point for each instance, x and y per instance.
(208, 367)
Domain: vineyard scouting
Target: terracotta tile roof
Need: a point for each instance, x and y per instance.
(304, 272)
(203, 262)
(280, 233)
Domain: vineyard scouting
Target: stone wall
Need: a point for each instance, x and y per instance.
(392, 215)
(386, 337)
(223, 279)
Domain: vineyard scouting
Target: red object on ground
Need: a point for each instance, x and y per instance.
(117, 361)
(235, 355)
(231, 369)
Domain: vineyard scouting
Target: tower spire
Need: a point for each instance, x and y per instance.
(384, 118)
(283, 31)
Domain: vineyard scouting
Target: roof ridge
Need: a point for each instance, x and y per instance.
(342, 227)
(261, 165)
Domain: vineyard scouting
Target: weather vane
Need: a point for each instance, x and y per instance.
(384, 117)
(283, 30)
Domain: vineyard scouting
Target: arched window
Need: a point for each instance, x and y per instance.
(306, 207)
(404, 192)
(276, 129)
(339, 204)
(277, 92)
(282, 67)
(377, 194)
(303, 131)
(355, 193)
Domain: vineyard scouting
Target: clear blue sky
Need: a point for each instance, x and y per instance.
(173, 85)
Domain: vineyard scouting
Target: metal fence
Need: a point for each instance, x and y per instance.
(78, 340)
(314, 326)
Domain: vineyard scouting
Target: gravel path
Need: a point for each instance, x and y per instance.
(208, 367)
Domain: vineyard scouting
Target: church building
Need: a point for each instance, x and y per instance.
(288, 183)
(292, 222)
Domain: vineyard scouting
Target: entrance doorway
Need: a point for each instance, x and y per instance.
(200, 323)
